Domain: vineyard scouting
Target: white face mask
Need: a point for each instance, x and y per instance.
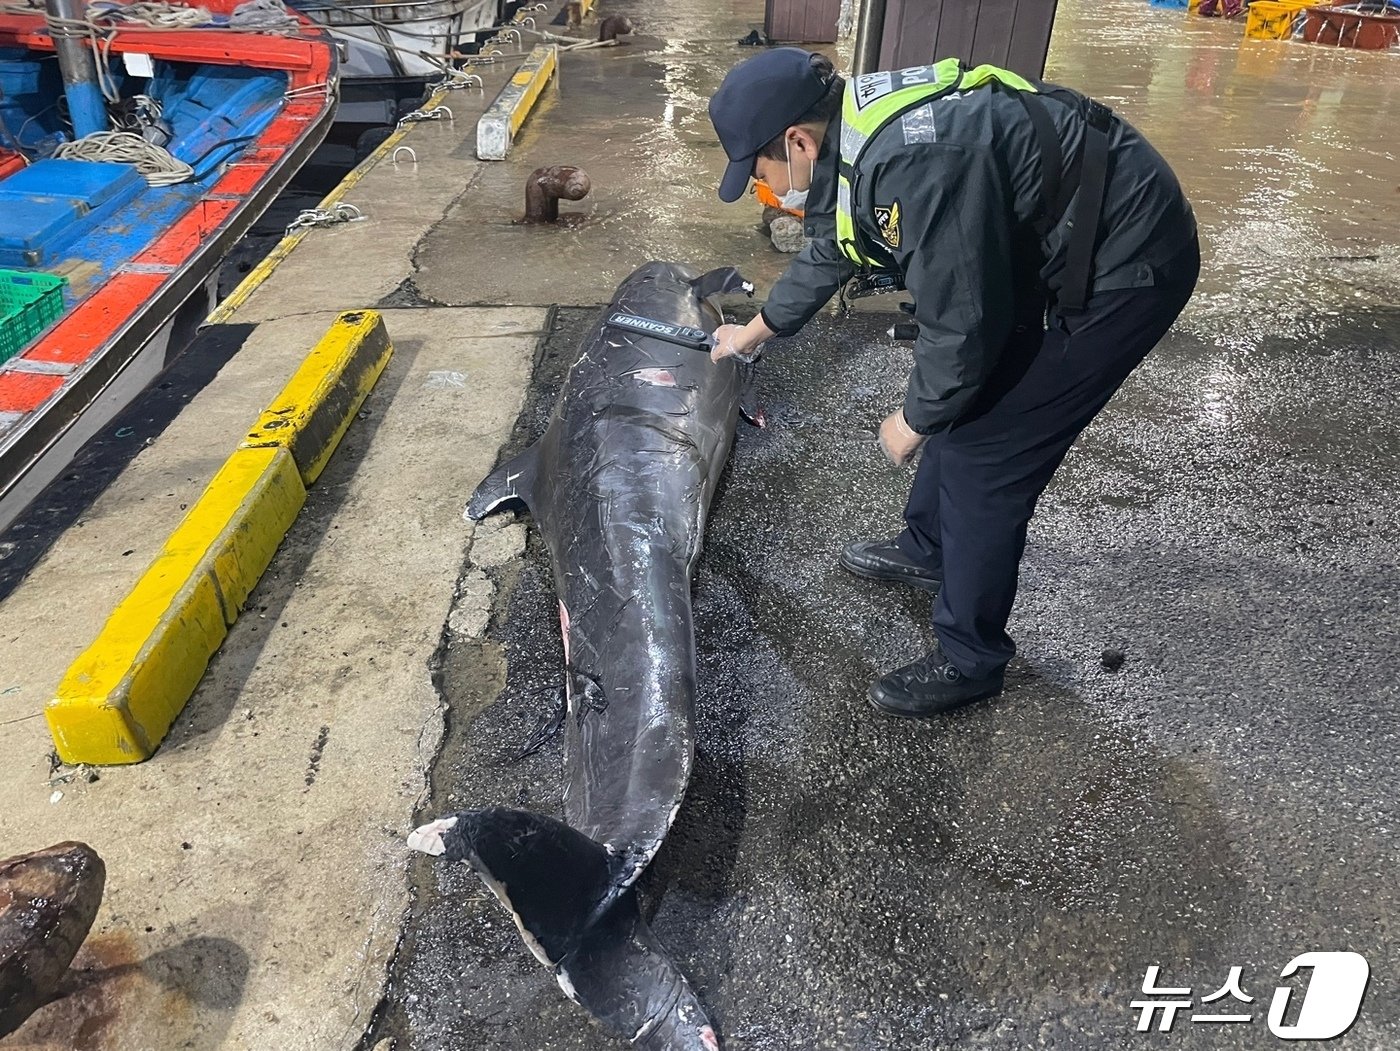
(796, 200)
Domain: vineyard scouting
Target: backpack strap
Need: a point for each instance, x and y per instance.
(1087, 175)
(1052, 161)
(1088, 208)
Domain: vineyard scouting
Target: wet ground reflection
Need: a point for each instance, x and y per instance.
(1287, 150)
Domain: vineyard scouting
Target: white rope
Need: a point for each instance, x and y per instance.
(157, 164)
(267, 15)
(517, 28)
(587, 44)
(307, 91)
(59, 28)
(154, 13)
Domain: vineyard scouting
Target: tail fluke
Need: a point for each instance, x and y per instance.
(566, 894)
(554, 880)
(624, 978)
(512, 481)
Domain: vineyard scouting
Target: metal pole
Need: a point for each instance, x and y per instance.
(870, 32)
(86, 106)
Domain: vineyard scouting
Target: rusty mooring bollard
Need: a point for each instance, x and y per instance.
(574, 13)
(48, 900)
(613, 27)
(545, 186)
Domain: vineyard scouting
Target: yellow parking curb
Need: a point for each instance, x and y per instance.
(316, 406)
(495, 131)
(120, 697)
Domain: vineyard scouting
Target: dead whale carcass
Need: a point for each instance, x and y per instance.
(620, 485)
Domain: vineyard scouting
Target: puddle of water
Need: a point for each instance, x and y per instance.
(566, 221)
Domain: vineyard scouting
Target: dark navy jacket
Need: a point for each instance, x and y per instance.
(965, 173)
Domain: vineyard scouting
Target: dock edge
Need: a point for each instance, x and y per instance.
(254, 279)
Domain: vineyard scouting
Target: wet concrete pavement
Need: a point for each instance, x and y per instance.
(1004, 877)
(634, 117)
(1287, 152)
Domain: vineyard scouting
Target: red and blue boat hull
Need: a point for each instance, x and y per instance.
(245, 110)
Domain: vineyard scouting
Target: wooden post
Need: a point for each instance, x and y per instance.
(1010, 33)
(801, 21)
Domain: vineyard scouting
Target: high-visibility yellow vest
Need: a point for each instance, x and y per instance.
(872, 101)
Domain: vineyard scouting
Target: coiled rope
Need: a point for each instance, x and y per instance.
(101, 23)
(264, 15)
(158, 165)
(153, 13)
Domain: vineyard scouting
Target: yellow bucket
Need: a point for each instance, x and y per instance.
(1273, 19)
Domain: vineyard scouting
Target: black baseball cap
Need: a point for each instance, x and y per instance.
(760, 99)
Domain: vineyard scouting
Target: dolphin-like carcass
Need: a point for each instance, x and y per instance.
(619, 485)
(48, 900)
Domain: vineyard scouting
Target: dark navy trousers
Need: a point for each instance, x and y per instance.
(978, 482)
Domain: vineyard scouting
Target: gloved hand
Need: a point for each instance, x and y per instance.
(735, 341)
(898, 441)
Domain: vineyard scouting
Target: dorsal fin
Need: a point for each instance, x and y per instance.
(512, 481)
(721, 281)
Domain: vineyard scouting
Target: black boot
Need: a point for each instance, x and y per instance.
(930, 686)
(883, 560)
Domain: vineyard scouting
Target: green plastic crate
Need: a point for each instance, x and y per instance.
(29, 303)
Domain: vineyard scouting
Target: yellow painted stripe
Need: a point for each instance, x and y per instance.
(314, 409)
(585, 6)
(283, 248)
(119, 698)
(534, 76)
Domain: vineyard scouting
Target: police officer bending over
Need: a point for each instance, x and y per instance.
(1047, 247)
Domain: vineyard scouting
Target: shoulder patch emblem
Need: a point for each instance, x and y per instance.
(887, 218)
